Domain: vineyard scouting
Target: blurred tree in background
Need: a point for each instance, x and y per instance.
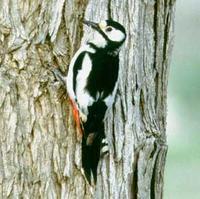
(183, 160)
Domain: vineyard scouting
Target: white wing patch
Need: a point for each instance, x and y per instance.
(69, 80)
(83, 97)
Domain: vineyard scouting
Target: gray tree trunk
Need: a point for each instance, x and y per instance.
(39, 148)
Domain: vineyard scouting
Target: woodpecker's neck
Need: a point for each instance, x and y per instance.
(102, 42)
(110, 48)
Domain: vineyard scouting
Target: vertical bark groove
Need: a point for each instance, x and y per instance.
(155, 31)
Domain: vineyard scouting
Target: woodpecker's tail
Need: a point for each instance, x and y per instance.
(94, 146)
(94, 143)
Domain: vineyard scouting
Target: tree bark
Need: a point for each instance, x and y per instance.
(39, 148)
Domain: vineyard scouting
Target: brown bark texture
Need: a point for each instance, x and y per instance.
(40, 153)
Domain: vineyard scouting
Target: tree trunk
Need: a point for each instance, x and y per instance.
(39, 148)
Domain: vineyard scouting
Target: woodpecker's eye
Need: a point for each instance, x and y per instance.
(108, 29)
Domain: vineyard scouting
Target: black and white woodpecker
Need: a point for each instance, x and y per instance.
(91, 84)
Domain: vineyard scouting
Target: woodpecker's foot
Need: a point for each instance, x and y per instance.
(104, 148)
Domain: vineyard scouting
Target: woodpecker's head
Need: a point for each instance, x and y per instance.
(110, 34)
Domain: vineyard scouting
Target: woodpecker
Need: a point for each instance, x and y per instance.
(91, 84)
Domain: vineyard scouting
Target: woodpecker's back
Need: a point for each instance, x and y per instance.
(91, 84)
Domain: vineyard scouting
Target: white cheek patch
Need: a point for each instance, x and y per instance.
(116, 35)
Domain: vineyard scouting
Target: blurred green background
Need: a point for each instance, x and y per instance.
(182, 174)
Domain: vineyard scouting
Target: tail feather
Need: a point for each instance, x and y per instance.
(86, 158)
(91, 155)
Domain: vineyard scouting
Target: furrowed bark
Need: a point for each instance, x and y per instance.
(40, 153)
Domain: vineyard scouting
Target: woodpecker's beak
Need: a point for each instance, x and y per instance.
(92, 24)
